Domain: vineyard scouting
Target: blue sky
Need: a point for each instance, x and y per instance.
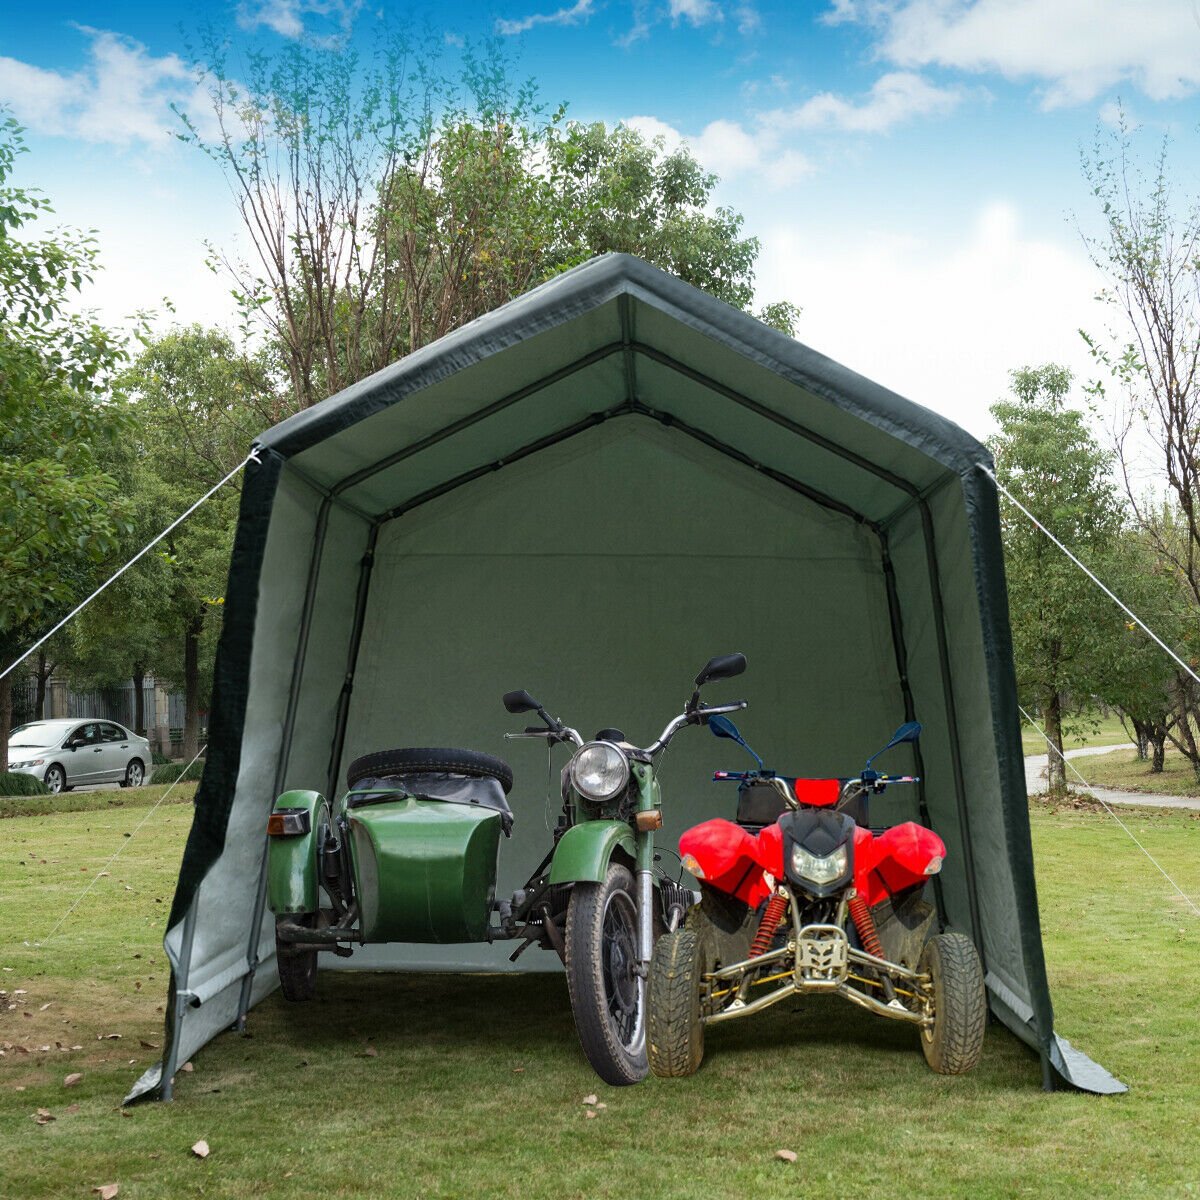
(910, 166)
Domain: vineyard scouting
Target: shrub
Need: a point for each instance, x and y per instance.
(13, 783)
(170, 772)
(158, 758)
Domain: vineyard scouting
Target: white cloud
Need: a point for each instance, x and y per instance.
(578, 12)
(697, 12)
(287, 17)
(120, 97)
(939, 320)
(895, 97)
(1075, 48)
(731, 150)
(748, 19)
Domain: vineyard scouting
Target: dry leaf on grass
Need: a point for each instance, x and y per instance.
(371, 1052)
(200, 1149)
(106, 1191)
(72, 1079)
(187, 1066)
(788, 1156)
(145, 1045)
(590, 1099)
(43, 1116)
(45, 1006)
(590, 1114)
(71, 1108)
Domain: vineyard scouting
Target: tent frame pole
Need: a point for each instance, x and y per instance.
(187, 939)
(285, 750)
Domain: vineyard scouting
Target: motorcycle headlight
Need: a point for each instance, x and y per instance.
(599, 771)
(818, 870)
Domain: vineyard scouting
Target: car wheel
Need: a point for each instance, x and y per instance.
(135, 775)
(55, 779)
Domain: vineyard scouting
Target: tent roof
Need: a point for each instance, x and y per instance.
(611, 337)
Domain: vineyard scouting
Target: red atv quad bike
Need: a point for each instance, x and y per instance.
(801, 895)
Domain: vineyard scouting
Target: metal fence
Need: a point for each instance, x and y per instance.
(107, 704)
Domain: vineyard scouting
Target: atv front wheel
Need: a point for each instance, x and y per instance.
(608, 996)
(674, 1031)
(297, 968)
(954, 1042)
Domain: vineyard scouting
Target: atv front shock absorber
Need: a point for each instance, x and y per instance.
(865, 924)
(867, 934)
(772, 915)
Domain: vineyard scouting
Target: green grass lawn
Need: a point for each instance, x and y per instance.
(101, 800)
(1121, 769)
(472, 1086)
(1105, 731)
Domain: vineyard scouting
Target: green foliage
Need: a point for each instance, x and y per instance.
(13, 783)
(389, 201)
(170, 772)
(158, 758)
(1063, 626)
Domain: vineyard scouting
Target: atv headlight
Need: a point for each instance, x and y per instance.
(818, 870)
(599, 771)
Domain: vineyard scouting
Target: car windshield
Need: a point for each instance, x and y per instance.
(41, 733)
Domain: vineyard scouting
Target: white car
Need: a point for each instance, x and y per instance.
(66, 753)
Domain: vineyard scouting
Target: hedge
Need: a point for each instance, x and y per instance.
(172, 771)
(13, 783)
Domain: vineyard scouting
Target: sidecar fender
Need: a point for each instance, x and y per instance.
(292, 857)
(585, 850)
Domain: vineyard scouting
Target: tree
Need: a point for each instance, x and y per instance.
(59, 512)
(387, 204)
(198, 399)
(1061, 622)
(1149, 250)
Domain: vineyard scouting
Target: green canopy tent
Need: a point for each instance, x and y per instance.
(587, 493)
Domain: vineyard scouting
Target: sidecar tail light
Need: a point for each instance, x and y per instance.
(689, 863)
(289, 822)
(649, 820)
(934, 865)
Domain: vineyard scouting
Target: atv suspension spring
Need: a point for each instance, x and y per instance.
(865, 924)
(772, 915)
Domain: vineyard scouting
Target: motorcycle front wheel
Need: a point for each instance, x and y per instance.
(608, 997)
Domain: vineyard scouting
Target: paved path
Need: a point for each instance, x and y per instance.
(1035, 781)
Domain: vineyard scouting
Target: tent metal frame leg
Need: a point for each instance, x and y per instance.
(178, 1005)
(289, 723)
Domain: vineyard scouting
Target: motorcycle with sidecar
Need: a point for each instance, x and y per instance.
(802, 896)
(409, 854)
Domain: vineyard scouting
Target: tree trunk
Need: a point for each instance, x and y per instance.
(139, 700)
(1141, 737)
(44, 671)
(191, 687)
(1056, 772)
(1158, 740)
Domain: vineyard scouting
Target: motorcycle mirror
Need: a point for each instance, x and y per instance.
(721, 726)
(520, 701)
(908, 732)
(726, 666)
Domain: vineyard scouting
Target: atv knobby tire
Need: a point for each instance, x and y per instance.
(385, 763)
(954, 1042)
(297, 968)
(674, 1031)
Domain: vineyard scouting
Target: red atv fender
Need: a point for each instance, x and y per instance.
(726, 857)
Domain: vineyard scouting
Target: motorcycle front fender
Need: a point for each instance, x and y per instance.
(292, 858)
(586, 849)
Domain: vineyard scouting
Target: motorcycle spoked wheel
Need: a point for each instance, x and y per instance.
(954, 1043)
(608, 998)
(675, 1032)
